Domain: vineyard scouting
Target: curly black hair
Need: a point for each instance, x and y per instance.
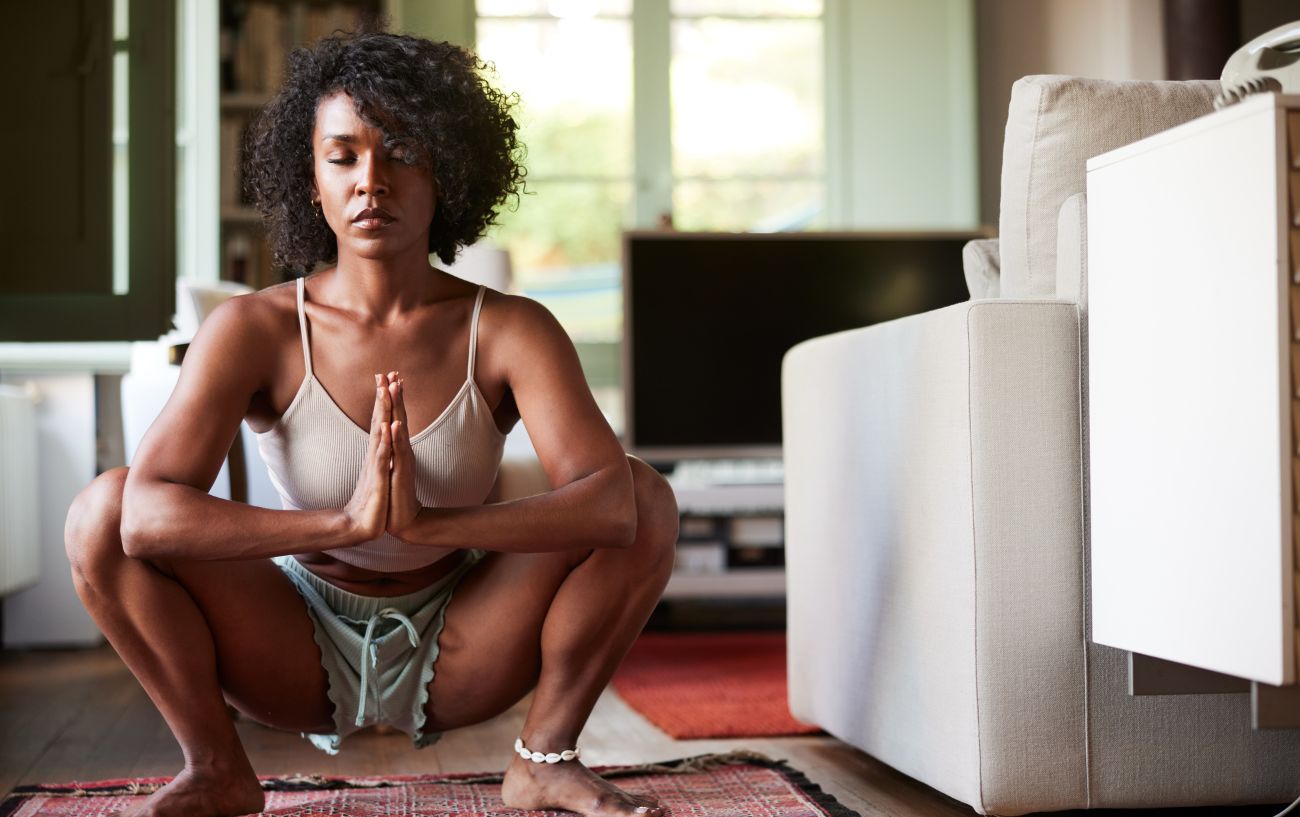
(433, 94)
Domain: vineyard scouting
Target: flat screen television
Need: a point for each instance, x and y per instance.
(708, 316)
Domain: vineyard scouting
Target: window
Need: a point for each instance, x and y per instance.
(747, 115)
(704, 113)
(571, 64)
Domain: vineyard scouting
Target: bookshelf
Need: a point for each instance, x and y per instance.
(256, 38)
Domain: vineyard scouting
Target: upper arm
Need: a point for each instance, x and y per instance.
(567, 428)
(224, 366)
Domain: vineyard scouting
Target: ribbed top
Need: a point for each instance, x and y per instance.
(314, 454)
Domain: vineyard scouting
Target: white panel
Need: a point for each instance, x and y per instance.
(1189, 398)
(50, 613)
(20, 545)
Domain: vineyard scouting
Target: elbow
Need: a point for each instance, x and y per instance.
(650, 515)
(139, 529)
(136, 541)
(622, 531)
(621, 520)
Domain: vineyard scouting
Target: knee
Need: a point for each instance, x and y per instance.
(656, 516)
(92, 530)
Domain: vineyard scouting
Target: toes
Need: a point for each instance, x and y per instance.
(647, 806)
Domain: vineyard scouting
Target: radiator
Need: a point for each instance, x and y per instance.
(20, 534)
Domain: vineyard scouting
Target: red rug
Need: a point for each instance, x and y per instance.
(710, 685)
(740, 784)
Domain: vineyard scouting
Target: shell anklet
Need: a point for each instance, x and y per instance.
(538, 757)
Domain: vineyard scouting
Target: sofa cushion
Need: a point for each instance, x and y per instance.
(1054, 125)
(979, 262)
(1072, 251)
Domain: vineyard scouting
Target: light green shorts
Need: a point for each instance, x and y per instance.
(378, 651)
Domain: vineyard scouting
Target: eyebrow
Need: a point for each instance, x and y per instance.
(340, 137)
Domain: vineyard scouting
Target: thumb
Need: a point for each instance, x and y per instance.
(402, 455)
(396, 436)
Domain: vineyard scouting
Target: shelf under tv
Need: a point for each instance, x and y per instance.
(738, 583)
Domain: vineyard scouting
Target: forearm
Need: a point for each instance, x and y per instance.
(176, 521)
(596, 511)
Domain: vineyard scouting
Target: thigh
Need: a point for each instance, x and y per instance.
(268, 664)
(490, 647)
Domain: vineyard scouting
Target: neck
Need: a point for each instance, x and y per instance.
(382, 290)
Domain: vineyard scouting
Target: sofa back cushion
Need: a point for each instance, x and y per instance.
(979, 261)
(1054, 125)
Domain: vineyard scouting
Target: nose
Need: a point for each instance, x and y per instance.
(374, 178)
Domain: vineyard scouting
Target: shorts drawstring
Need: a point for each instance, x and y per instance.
(370, 654)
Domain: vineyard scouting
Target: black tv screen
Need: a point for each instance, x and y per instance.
(708, 317)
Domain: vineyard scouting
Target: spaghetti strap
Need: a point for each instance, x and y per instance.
(302, 326)
(473, 329)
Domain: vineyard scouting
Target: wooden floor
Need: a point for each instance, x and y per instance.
(78, 715)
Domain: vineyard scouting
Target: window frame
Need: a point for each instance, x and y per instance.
(144, 312)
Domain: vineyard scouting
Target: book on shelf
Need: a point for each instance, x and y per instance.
(232, 131)
(238, 247)
(260, 48)
(322, 21)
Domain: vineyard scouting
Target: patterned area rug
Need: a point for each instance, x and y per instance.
(710, 685)
(737, 784)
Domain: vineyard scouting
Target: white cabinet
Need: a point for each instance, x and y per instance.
(1192, 340)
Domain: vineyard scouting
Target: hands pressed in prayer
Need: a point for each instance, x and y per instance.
(385, 498)
(403, 504)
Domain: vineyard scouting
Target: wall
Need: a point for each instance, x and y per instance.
(901, 99)
(1105, 39)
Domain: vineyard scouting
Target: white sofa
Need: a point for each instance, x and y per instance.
(936, 519)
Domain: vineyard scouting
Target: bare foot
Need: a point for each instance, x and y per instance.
(202, 793)
(571, 786)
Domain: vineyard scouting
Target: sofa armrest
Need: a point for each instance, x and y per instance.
(934, 547)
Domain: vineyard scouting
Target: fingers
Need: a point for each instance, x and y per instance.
(377, 414)
(397, 392)
(380, 432)
(401, 429)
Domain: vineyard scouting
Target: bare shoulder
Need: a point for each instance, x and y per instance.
(252, 319)
(519, 338)
(246, 331)
(538, 361)
(517, 321)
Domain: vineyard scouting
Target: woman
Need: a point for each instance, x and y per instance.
(338, 611)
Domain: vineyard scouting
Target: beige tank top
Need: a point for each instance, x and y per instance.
(314, 454)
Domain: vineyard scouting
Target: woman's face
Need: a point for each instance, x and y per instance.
(375, 194)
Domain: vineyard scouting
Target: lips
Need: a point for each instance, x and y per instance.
(373, 218)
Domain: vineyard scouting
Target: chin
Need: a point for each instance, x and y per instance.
(380, 247)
